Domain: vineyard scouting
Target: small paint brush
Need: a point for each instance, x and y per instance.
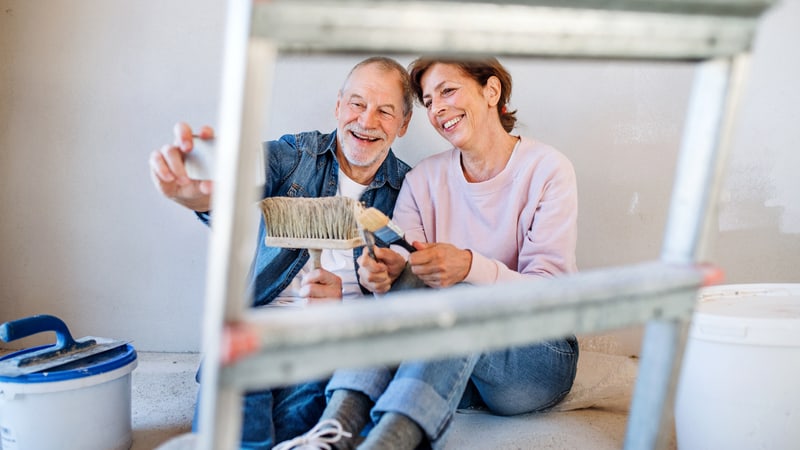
(376, 222)
(369, 242)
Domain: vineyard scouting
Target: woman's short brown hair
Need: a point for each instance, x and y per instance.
(480, 70)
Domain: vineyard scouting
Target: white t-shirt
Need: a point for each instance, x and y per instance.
(339, 262)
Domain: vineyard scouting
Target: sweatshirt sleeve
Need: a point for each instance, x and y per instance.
(550, 239)
(548, 230)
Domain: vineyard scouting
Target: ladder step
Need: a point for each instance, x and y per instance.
(641, 29)
(283, 345)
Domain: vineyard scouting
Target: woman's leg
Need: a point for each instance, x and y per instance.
(370, 382)
(513, 381)
(526, 379)
(428, 393)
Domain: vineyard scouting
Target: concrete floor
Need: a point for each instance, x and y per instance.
(163, 393)
(593, 416)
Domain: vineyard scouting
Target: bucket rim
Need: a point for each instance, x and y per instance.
(761, 314)
(749, 289)
(87, 367)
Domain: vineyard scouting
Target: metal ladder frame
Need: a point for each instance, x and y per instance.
(247, 349)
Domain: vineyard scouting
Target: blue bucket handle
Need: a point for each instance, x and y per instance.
(28, 326)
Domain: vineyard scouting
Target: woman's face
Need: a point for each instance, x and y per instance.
(459, 108)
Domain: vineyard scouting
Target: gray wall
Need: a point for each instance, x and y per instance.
(89, 88)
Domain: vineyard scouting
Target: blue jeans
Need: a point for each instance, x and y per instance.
(514, 381)
(279, 414)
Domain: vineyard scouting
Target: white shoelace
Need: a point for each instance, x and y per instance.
(320, 437)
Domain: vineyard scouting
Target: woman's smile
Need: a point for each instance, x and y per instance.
(450, 124)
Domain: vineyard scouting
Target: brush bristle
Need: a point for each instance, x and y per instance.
(371, 219)
(311, 218)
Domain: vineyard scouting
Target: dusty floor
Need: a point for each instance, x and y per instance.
(163, 392)
(592, 417)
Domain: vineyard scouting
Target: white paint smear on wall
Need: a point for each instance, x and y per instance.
(634, 207)
(763, 186)
(762, 192)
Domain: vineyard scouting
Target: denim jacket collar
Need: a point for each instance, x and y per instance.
(389, 172)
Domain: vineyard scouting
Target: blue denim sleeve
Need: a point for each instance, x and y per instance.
(281, 158)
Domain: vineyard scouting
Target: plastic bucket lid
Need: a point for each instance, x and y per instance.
(748, 314)
(87, 371)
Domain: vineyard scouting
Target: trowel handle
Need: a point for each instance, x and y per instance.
(28, 326)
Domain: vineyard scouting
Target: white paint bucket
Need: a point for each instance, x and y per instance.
(84, 405)
(739, 386)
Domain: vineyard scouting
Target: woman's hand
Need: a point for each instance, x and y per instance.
(377, 275)
(440, 265)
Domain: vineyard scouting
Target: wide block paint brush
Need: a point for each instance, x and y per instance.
(312, 223)
(379, 224)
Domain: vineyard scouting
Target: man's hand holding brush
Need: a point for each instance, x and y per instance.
(321, 285)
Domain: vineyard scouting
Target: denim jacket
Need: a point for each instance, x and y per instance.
(305, 165)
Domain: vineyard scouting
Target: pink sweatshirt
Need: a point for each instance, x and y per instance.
(521, 223)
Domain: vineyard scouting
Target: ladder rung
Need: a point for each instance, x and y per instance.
(639, 29)
(293, 344)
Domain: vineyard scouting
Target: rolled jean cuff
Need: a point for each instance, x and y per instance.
(428, 409)
(370, 382)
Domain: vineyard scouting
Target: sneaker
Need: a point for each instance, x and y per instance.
(328, 431)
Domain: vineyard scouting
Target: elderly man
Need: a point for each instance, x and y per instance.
(373, 107)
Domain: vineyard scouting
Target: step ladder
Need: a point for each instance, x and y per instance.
(247, 349)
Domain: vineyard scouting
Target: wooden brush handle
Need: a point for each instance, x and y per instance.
(315, 254)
